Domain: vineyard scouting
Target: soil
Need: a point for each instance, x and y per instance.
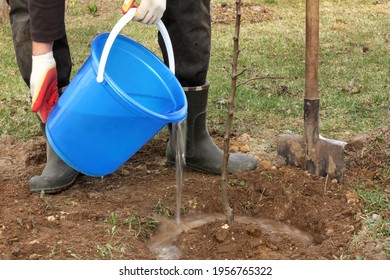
(281, 212)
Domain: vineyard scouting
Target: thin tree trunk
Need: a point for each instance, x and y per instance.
(228, 211)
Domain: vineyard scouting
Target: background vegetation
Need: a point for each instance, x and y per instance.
(354, 66)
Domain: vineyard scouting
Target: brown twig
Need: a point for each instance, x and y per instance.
(259, 78)
(228, 211)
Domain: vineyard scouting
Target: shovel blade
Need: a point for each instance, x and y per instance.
(326, 159)
(291, 150)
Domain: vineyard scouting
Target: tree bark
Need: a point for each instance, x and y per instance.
(228, 211)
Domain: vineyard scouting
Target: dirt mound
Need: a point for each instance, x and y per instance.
(225, 13)
(281, 213)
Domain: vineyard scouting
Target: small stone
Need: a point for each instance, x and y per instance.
(244, 148)
(221, 235)
(51, 218)
(329, 232)
(334, 181)
(225, 226)
(266, 164)
(253, 230)
(375, 218)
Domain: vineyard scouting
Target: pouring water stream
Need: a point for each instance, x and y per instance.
(179, 138)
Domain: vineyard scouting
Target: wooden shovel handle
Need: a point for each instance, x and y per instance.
(312, 101)
(312, 46)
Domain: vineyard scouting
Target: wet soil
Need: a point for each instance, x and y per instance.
(281, 212)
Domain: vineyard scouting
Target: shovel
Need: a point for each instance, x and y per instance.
(316, 154)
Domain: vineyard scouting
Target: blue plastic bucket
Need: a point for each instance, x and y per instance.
(95, 127)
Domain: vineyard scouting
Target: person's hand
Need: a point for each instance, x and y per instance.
(148, 12)
(43, 84)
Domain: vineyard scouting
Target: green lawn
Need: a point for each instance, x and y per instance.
(354, 73)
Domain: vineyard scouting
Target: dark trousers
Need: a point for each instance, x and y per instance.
(187, 21)
(189, 27)
(20, 26)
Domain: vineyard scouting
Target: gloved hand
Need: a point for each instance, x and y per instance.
(43, 84)
(148, 12)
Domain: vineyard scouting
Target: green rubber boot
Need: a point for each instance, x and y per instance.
(202, 153)
(56, 176)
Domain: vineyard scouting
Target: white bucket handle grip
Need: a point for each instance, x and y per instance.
(114, 33)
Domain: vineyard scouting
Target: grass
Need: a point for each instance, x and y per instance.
(354, 73)
(118, 228)
(163, 210)
(141, 227)
(376, 218)
(276, 48)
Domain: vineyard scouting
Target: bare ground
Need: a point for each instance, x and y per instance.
(281, 213)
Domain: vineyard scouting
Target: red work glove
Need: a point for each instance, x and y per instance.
(148, 12)
(43, 84)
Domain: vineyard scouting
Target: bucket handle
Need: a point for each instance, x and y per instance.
(114, 33)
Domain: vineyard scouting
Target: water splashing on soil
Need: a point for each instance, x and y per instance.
(162, 244)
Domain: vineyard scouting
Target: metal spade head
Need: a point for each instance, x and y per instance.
(325, 158)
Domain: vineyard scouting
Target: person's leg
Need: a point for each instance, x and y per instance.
(202, 153)
(189, 27)
(57, 175)
(20, 27)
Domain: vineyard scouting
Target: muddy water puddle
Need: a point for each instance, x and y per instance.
(162, 244)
